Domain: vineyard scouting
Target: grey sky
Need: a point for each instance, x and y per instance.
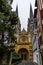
(23, 10)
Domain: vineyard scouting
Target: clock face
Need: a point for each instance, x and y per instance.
(23, 38)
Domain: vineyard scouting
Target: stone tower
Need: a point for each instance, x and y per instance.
(17, 9)
(18, 25)
(31, 12)
(30, 21)
(24, 46)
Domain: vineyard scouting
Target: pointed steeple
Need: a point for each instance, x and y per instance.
(31, 12)
(17, 10)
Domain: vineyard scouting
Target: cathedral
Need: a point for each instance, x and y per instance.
(24, 39)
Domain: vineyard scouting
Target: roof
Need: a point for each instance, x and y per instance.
(23, 32)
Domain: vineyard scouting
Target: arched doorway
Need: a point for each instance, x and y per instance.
(23, 54)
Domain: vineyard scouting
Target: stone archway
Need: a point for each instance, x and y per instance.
(23, 53)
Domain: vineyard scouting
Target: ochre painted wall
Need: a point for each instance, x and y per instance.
(24, 44)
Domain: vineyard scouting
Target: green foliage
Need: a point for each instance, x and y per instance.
(7, 16)
(2, 16)
(15, 56)
(2, 2)
(13, 18)
(3, 48)
(11, 33)
(2, 27)
(5, 10)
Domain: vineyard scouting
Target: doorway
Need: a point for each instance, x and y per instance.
(23, 53)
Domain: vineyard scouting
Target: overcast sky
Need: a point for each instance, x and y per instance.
(23, 10)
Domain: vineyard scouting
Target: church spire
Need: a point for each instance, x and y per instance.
(31, 11)
(17, 10)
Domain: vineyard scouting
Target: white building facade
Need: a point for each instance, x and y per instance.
(36, 51)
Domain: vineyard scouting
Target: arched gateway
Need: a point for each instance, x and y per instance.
(23, 53)
(24, 46)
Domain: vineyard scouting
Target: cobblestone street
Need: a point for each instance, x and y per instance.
(27, 63)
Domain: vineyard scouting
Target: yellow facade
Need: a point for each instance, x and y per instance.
(24, 46)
